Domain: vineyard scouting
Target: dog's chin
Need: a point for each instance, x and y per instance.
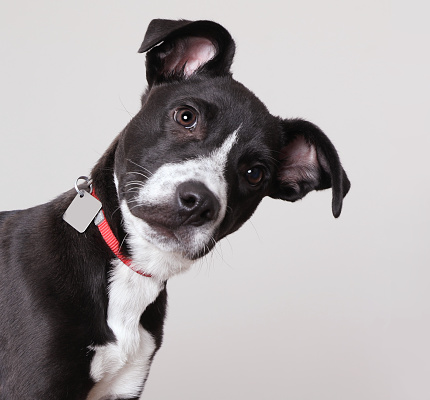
(182, 241)
(189, 242)
(185, 241)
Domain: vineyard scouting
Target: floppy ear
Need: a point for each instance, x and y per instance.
(308, 161)
(178, 49)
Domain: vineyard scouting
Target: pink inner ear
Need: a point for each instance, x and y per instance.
(299, 162)
(191, 52)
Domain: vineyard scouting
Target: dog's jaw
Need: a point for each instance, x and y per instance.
(148, 251)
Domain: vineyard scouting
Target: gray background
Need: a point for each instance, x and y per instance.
(296, 305)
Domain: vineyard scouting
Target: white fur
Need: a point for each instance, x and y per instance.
(120, 367)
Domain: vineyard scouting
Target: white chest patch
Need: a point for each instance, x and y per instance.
(120, 368)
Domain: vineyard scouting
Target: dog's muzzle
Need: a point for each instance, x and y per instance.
(186, 222)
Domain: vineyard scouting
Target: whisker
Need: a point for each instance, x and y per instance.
(229, 243)
(123, 240)
(138, 173)
(140, 166)
(116, 209)
(137, 205)
(137, 191)
(125, 109)
(219, 251)
(137, 183)
(255, 229)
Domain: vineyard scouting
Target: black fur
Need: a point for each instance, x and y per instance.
(53, 291)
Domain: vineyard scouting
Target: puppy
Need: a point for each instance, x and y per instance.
(83, 288)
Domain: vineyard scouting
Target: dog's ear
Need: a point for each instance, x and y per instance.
(178, 49)
(308, 161)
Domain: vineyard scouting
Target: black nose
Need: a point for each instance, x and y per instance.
(197, 205)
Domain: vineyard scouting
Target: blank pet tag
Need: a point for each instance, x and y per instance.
(82, 211)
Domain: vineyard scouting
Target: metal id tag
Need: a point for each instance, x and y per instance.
(82, 211)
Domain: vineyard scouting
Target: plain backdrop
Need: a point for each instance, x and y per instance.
(296, 304)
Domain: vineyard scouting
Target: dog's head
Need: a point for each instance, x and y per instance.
(194, 163)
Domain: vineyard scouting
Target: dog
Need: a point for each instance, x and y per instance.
(83, 288)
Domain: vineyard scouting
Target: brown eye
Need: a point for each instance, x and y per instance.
(186, 117)
(254, 175)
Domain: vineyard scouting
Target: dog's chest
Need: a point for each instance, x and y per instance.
(120, 368)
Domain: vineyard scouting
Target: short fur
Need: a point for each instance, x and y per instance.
(77, 323)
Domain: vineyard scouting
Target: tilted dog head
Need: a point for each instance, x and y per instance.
(192, 166)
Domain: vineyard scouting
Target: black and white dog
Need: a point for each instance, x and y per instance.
(81, 314)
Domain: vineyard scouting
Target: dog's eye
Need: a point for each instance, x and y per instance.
(186, 117)
(254, 175)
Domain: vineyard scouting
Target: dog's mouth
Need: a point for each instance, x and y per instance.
(166, 232)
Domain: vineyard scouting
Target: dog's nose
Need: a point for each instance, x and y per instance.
(197, 205)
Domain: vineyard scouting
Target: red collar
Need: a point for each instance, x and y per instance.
(113, 243)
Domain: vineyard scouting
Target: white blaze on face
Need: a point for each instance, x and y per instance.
(160, 189)
(209, 170)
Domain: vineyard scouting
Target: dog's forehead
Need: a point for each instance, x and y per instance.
(223, 93)
(227, 102)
